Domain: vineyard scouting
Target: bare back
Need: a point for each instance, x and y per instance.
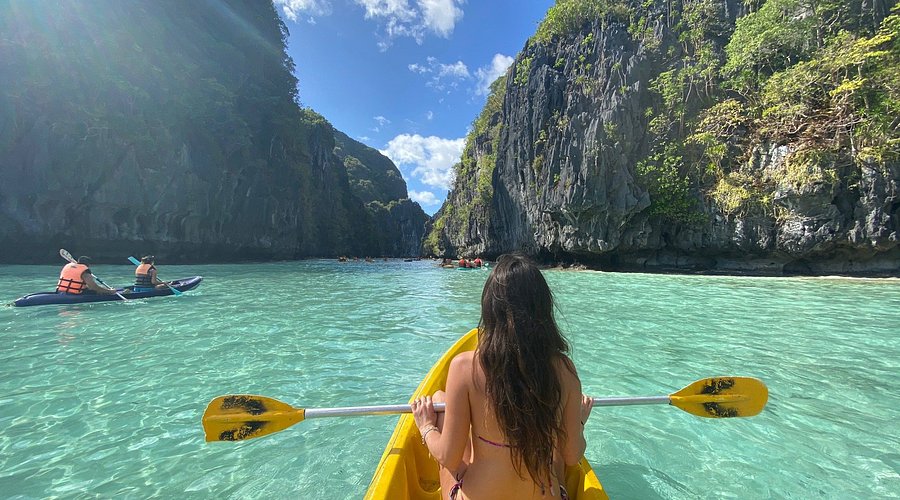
(489, 468)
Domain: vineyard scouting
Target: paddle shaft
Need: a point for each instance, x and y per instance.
(627, 401)
(350, 411)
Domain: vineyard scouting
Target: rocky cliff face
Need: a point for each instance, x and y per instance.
(172, 128)
(592, 157)
(59, 191)
(377, 183)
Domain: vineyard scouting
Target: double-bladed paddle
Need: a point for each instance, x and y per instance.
(66, 255)
(243, 416)
(137, 263)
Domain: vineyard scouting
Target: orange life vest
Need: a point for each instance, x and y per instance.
(70, 280)
(142, 278)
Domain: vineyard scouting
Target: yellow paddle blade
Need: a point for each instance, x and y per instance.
(243, 416)
(722, 397)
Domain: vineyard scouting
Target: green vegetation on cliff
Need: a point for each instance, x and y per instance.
(570, 16)
(373, 177)
(475, 169)
(820, 76)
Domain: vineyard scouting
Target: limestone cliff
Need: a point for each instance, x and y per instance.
(376, 182)
(633, 135)
(171, 128)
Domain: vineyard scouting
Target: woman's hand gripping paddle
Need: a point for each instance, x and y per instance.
(240, 417)
(66, 255)
(137, 263)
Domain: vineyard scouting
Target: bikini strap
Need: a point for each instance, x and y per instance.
(492, 443)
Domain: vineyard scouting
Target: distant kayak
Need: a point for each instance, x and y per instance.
(48, 298)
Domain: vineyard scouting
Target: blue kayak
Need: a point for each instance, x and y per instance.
(47, 298)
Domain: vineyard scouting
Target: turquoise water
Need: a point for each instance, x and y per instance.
(105, 400)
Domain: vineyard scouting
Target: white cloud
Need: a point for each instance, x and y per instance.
(486, 75)
(397, 17)
(426, 198)
(396, 9)
(442, 75)
(428, 67)
(455, 70)
(429, 115)
(440, 16)
(382, 121)
(294, 8)
(401, 19)
(432, 157)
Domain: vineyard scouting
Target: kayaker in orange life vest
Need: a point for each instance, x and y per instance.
(76, 278)
(145, 278)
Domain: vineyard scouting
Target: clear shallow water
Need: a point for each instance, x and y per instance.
(105, 400)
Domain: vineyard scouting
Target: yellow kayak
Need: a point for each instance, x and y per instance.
(407, 471)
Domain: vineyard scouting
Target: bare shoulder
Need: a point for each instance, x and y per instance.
(565, 368)
(564, 363)
(460, 371)
(462, 361)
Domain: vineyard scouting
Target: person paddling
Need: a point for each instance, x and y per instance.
(145, 278)
(76, 278)
(514, 412)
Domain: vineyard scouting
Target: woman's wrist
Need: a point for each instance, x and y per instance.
(426, 431)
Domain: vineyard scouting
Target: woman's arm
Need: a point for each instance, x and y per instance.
(574, 414)
(448, 444)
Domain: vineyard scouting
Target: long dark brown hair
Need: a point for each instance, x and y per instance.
(518, 345)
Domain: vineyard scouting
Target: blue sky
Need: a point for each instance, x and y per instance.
(406, 77)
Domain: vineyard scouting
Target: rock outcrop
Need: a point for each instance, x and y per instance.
(174, 128)
(378, 184)
(588, 152)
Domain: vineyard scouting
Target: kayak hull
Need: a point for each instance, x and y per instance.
(407, 471)
(54, 298)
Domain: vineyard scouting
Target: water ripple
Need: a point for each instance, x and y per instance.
(105, 400)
